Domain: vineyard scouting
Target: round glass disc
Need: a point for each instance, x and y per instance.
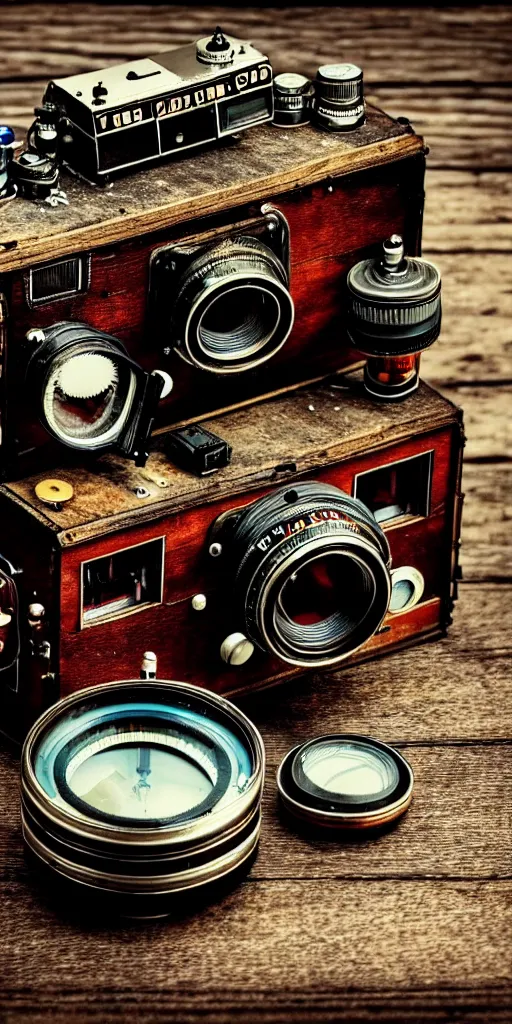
(401, 594)
(345, 781)
(135, 778)
(351, 770)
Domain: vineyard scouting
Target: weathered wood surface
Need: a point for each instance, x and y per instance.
(319, 425)
(412, 926)
(264, 162)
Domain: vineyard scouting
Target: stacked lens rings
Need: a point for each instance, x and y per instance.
(293, 99)
(311, 573)
(394, 313)
(136, 792)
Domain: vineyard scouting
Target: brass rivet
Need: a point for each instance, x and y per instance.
(54, 492)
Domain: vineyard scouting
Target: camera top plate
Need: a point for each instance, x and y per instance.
(264, 163)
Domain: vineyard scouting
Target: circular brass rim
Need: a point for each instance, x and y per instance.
(345, 820)
(151, 860)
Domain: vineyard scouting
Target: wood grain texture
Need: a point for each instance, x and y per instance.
(455, 690)
(466, 212)
(390, 43)
(320, 425)
(398, 936)
(485, 551)
(268, 161)
(322, 933)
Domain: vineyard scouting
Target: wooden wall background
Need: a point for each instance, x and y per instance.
(414, 926)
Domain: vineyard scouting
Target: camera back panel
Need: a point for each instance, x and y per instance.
(334, 199)
(120, 569)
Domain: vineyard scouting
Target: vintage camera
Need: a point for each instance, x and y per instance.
(227, 273)
(128, 115)
(333, 537)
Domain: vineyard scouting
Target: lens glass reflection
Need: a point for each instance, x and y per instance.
(401, 594)
(350, 769)
(238, 323)
(88, 397)
(135, 781)
(326, 599)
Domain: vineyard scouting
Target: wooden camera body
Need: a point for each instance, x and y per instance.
(287, 212)
(129, 562)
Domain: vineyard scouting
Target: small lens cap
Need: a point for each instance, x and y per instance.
(345, 781)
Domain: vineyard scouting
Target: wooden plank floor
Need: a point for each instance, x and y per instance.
(415, 926)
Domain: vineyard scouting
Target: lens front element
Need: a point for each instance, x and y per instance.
(233, 309)
(311, 572)
(87, 398)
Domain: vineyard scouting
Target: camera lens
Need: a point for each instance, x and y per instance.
(293, 97)
(238, 323)
(310, 566)
(345, 781)
(84, 384)
(136, 792)
(233, 309)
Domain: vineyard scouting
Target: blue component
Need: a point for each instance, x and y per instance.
(6, 135)
(73, 728)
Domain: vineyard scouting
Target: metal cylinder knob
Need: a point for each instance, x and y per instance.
(339, 98)
(236, 649)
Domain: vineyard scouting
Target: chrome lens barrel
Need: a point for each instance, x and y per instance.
(140, 791)
(311, 572)
(233, 309)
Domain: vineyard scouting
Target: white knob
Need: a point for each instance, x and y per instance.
(199, 602)
(236, 649)
(36, 336)
(148, 666)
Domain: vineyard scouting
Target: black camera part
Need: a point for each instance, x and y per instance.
(35, 175)
(225, 304)
(394, 313)
(198, 450)
(339, 99)
(293, 100)
(310, 571)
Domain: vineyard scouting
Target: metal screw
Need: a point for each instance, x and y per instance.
(141, 492)
(198, 602)
(215, 549)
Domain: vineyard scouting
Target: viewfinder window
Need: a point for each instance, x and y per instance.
(57, 280)
(398, 489)
(122, 582)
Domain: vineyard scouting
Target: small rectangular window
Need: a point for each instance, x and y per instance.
(399, 489)
(57, 280)
(122, 582)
